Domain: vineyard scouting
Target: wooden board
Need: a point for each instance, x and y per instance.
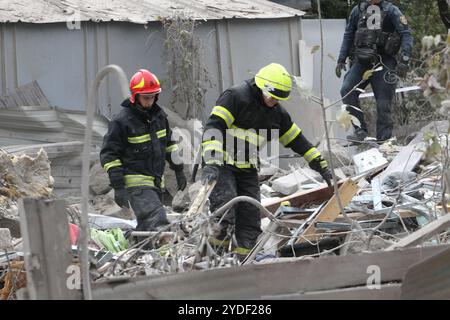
(331, 210)
(47, 249)
(423, 234)
(428, 279)
(287, 276)
(302, 197)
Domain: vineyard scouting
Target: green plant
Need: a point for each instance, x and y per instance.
(187, 74)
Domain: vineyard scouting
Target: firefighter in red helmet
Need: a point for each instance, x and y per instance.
(134, 151)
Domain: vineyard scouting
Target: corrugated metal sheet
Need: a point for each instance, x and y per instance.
(29, 94)
(32, 124)
(140, 12)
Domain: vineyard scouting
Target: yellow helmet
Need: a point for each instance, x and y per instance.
(274, 80)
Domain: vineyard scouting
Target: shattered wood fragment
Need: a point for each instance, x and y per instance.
(331, 210)
(200, 200)
(301, 198)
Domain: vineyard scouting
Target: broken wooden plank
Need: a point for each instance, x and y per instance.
(428, 279)
(300, 198)
(331, 210)
(287, 276)
(47, 249)
(423, 234)
(200, 200)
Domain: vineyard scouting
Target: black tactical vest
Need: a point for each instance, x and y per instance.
(369, 43)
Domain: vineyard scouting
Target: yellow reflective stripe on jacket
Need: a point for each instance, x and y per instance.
(138, 180)
(139, 139)
(224, 114)
(172, 148)
(112, 164)
(290, 135)
(311, 154)
(247, 135)
(241, 250)
(146, 137)
(161, 133)
(212, 145)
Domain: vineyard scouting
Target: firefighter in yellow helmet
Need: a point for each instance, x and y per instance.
(237, 128)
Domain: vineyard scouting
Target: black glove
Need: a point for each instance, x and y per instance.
(181, 179)
(340, 66)
(121, 197)
(402, 70)
(210, 173)
(321, 166)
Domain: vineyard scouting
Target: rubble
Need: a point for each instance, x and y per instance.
(5, 239)
(99, 182)
(293, 182)
(378, 214)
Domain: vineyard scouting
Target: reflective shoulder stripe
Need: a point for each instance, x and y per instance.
(161, 133)
(172, 148)
(112, 164)
(224, 114)
(290, 135)
(311, 154)
(139, 139)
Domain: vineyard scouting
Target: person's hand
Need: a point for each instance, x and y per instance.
(321, 166)
(210, 173)
(402, 70)
(121, 198)
(326, 175)
(181, 179)
(340, 66)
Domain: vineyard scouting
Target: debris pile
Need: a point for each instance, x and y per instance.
(390, 196)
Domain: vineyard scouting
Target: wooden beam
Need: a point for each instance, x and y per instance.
(428, 279)
(286, 276)
(331, 210)
(46, 244)
(423, 234)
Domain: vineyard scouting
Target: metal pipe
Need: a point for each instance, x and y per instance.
(256, 203)
(84, 226)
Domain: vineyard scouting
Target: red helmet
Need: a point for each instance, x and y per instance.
(143, 81)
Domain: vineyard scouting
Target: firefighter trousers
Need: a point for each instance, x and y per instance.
(244, 216)
(148, 209)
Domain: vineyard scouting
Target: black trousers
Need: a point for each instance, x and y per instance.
(148, 209)
(244, 216)
(384, 94)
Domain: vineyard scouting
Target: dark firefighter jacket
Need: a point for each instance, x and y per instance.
(240, 116)
(136, 147)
